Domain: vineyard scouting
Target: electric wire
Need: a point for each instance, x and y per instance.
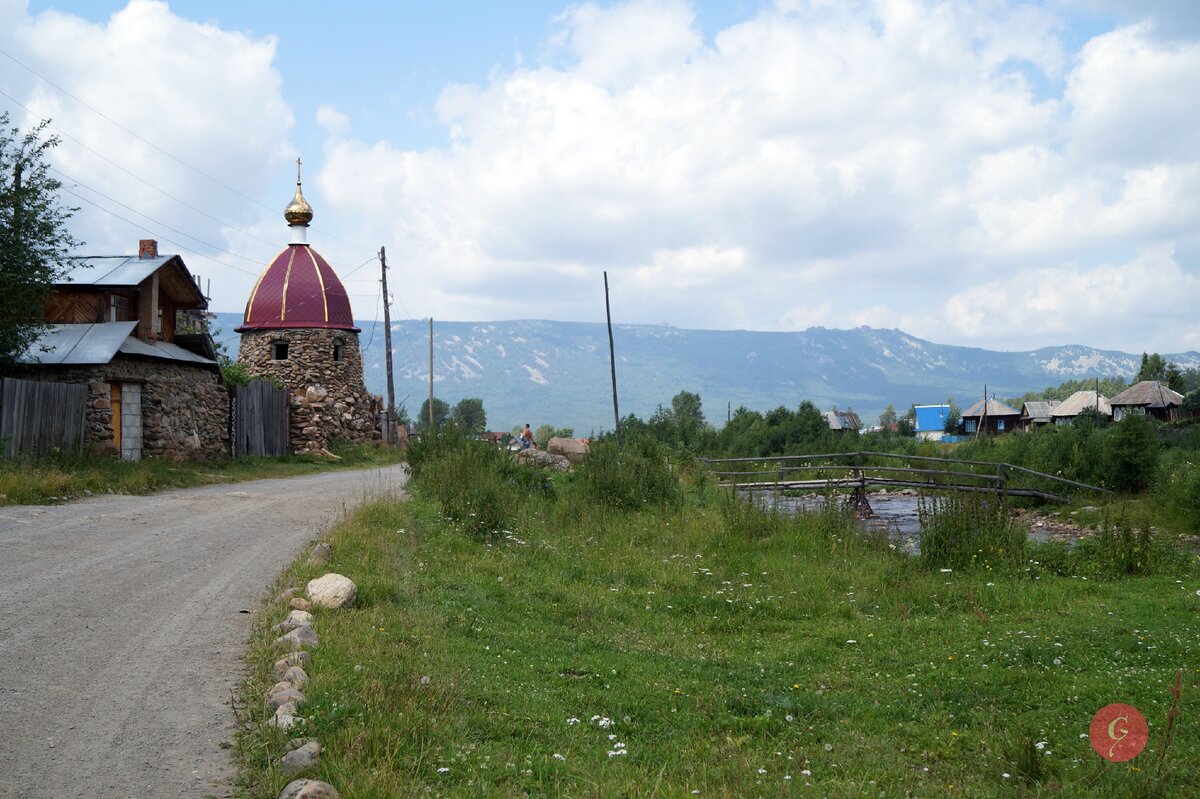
(140, 138)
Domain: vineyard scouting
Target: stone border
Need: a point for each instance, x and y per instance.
(297, 636)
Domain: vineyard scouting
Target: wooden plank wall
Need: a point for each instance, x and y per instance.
(259, 420)
(36, 417)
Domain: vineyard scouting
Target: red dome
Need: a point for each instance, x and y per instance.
(298, 289)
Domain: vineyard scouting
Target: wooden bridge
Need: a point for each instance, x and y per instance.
(858, 470)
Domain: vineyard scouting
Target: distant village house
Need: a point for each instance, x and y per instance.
(931, 421)
(990, 417)
(1150, 398)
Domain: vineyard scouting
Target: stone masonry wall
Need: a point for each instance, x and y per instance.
(185, 410)
(327, 399)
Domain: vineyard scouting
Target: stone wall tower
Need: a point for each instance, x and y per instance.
(299, 330)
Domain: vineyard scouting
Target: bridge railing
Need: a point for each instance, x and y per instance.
(858, 470)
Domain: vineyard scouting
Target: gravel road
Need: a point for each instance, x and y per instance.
(123, 621)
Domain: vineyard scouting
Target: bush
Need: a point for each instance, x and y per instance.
(1131, 454)
(478, 486)
(628, 477)
(1178, 491)
(969, 532)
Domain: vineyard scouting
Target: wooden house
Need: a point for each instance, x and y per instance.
(990, 417)
(1151, 398)
(1070, 408)
(931, 421)
(843, 421)
(1036, 413)
(123, 326)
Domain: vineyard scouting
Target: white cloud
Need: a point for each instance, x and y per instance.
(1063, 301)
(210, 98)
(825, 153)
(885, 162)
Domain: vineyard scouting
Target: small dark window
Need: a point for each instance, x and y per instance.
(279, 350)
(339, 350)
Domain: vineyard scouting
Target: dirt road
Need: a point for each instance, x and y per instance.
(122, 621)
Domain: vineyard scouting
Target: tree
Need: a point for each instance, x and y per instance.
(888, 417)
(34, 243)
(468, 415)
(1154, 367)
(953, 418)
(441, 414)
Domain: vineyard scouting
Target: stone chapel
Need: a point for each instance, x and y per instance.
(299, 331)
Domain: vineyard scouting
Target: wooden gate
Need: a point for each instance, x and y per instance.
(258, 420)
(37, 417)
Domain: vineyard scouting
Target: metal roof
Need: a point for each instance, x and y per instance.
(1082, 401)
(1038, 410)
(80, 345)
(71, 345)
(1148, 394)
(113, 270)
(994, 408)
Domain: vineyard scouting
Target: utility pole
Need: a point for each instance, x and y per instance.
(431, 375)
(387, 343)
(612, 362)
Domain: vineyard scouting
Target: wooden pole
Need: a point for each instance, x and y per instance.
(387, 342)
(612, 361)
(431, 374)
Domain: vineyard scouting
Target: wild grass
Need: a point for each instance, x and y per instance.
(714, 649)
(25, 481)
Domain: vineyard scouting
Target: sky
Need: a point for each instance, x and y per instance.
(996, 174)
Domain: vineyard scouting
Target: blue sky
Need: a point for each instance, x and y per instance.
(995, 173)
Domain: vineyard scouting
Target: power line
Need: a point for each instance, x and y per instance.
(144, 140)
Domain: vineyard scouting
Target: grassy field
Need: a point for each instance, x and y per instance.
(709, 649)
(44, 481)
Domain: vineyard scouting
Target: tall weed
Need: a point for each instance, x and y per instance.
(629, 477)
(969, 532)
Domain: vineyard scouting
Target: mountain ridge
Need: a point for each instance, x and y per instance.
(545, 371)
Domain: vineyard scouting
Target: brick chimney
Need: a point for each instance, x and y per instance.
(147, 248)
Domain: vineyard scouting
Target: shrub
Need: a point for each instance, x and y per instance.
(627, 477)
(1131, 454)
(1178, 491)
(969, 532)
(477, 486)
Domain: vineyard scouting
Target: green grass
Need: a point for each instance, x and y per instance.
(49, 480)
(736, 654)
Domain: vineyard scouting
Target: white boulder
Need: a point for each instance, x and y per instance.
(332, 591)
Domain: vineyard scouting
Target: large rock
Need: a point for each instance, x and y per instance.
(286, 716)
(300, 759)
(572, 449)
(283, 693)
(298, 658)
(299, 638)
(545, 459)
(293, 788)
(296, 676)
(332, 591)
(318, 790)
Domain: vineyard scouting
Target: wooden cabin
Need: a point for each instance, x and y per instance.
(991, 417)
(1150, 397)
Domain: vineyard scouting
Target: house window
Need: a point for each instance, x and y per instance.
(999, 424)
(971, 425)
(339, 350)
(279, 350)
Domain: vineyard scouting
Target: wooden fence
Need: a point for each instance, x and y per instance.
(37, 418)
(857, 470)
(258, 420)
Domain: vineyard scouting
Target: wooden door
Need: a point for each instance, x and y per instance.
(114, 400)
(131, 422)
